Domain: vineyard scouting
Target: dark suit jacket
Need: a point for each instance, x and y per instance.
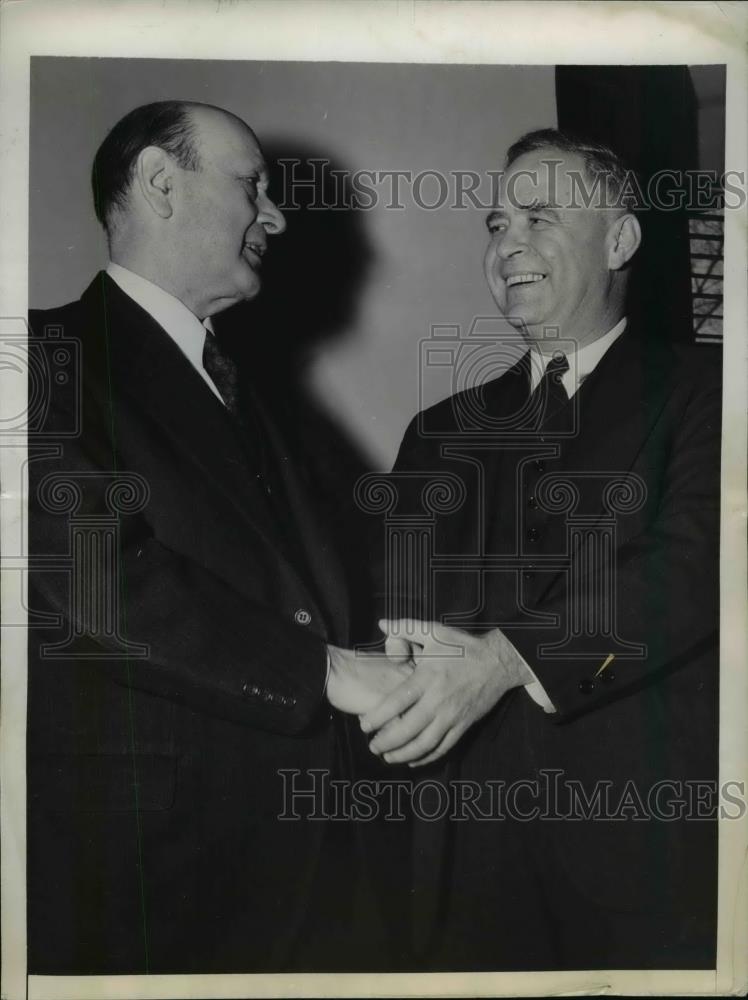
(648, 417)
(153, 839)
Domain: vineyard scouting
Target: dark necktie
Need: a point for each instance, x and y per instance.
(223, 373)
(550, 393)
(253, 434)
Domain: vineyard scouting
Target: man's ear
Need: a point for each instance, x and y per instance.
(154, 172)
(624, 237)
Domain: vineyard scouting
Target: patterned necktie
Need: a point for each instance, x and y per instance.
(253, 433)
(223, 372)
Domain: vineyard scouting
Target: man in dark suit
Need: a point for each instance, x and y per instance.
(187, 613)
(573, 663)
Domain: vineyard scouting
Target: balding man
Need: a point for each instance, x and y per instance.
(192, 648)
(572, 668)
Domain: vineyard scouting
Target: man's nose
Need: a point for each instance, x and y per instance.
(271, 217)
(511, 244)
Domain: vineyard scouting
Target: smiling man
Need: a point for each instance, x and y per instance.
(579, 576)
(551, 262)
(190, 643)
(190, 210)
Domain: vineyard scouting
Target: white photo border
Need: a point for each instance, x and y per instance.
(360, 31)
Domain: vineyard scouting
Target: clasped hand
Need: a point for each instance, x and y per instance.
(455, 679)
(358, 681)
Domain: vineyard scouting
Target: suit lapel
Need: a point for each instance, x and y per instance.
(303, 529)
(500, 404)
(618, 403)
(503, 406)
(140, 363)
(600, 432)
(617, 407)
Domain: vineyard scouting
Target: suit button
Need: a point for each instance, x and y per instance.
(302, 617)
(533, 535)
(528, 576)
(532, 503)
(586, 685)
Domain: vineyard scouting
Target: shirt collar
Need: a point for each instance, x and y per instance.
(581, 362)
(183, 326)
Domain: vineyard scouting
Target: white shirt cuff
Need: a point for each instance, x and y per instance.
(538, 694)
(327, 675)
(534, 688)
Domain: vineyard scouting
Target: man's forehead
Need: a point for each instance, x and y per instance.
(541, 177)
(228, 142)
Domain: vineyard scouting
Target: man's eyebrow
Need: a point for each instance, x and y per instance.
(256, 174)
(536, 205)
(495, 216)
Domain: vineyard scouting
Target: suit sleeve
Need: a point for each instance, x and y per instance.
(207, 645)
(666, 578)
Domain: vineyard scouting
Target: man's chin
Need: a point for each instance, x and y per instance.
(249, 289)
(533, 332)
(523, 323)
(228, 300)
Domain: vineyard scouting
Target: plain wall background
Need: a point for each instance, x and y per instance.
(423, 268)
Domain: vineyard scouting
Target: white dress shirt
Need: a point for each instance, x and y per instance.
(183, 326)
(581, 364)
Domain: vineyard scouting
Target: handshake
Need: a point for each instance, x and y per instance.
(425, 691)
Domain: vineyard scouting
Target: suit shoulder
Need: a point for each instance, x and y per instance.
(67, 317)
(463, 413)
(440, 415)
(699, 364)
(459, 411)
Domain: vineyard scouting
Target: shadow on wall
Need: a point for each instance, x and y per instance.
(312, 280)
